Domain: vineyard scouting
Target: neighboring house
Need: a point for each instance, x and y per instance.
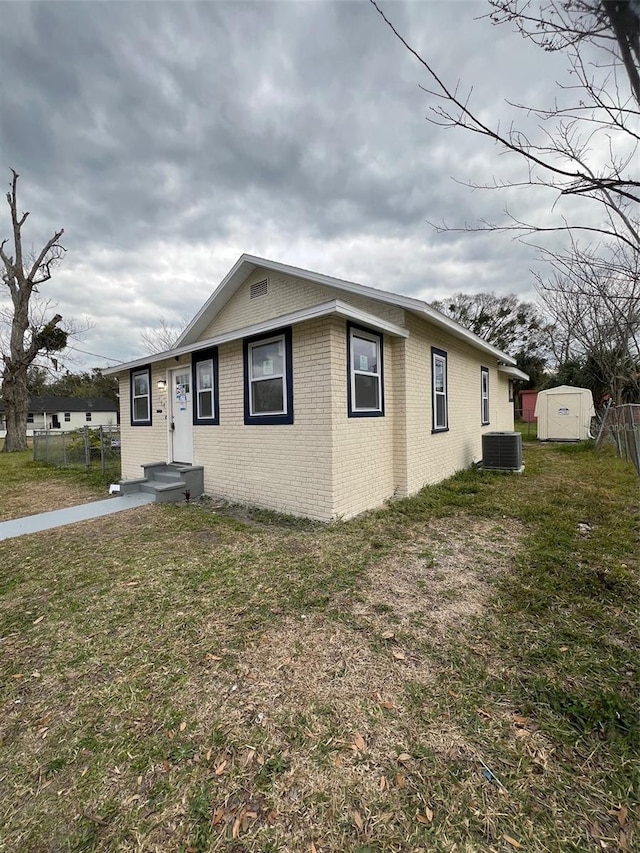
(315, 396)
(66, 413)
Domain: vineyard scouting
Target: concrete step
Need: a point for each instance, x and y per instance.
(167, 481)
(167, 477)
(165, 492)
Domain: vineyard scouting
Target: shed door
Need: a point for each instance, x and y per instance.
(563, 416)
(181, 419)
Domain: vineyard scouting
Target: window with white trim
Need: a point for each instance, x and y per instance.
(141, 396)
(484, 394)
(439, 390)
(205, 382)
(268, 379)
(67, 417)
(366, 397)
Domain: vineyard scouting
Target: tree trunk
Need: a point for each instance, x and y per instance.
(27, 340)
(16, 400)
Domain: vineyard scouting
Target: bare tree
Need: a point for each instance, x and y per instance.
(584, 148)
(161, 338)
(594, 301)
(28, 338)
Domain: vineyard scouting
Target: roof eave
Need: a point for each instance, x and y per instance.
(333, 306)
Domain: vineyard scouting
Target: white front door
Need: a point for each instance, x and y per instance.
(181, 434)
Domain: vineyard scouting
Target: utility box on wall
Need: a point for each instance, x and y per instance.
(564, 414)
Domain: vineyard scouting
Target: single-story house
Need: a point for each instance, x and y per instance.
(311, 395)
(66, 413)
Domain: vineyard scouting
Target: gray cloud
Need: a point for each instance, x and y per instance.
(168, 138)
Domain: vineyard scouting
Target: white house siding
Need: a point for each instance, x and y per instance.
(78, 420)
(286, 294)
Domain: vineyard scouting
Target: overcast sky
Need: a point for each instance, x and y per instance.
(168, 138)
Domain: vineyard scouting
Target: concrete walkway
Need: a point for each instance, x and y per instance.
(61, 517)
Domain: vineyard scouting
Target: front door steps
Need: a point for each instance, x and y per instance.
(167, 482)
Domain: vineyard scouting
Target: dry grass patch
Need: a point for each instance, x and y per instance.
(33, 498)
(442, 575)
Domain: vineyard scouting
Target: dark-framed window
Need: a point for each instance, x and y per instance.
(268, 378)
(204, 369)
(365, 383)
(512, 385)
(30, 418)
(87, 417)
(67, 417)
(140, 387)
(484, 395)
(439, 391)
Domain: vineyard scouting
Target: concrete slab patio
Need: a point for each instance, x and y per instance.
(61, 517)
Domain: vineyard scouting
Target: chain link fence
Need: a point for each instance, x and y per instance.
(621, 425)
(90, 448)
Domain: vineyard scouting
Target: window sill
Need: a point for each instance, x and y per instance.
(357, 414)
(268, 420)
(439, 429)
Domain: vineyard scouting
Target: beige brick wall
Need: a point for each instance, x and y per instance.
(367, 452)
(285, 295)
(146, 444)
(434, 456)
(287, 468)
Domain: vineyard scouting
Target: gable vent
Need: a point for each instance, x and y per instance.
(258, 289)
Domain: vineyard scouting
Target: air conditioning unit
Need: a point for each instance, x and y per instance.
(502, 451)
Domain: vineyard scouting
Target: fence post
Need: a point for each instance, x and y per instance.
(87, 448)
(46, 446)
(102, 460)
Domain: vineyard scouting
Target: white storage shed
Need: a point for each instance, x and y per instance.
(564, 414)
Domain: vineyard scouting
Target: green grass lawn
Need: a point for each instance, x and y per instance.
(454, 673)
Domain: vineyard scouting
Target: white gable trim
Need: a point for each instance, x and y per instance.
(246, 264)
(334, 306)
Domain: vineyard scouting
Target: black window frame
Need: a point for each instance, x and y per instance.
(145, 368)
(485, 421)
(67, 417)
(210, 354)
(285, 418)
(365, 413)
(439, 353)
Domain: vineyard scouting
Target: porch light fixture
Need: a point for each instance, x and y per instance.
(162, 384)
